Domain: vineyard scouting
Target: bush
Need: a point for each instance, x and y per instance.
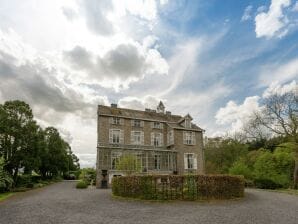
(81, 185)
(274, 168)
(240, 168)
(24, 180)
(88, 175)
(190, 187)
(267, 184)
(5, 179)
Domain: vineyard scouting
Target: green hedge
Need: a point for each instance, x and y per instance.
(172, 187)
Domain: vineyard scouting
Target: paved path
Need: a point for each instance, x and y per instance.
(62, 203)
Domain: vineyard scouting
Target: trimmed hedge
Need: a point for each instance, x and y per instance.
(173, 187)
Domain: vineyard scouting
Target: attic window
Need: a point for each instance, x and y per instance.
(187, 123)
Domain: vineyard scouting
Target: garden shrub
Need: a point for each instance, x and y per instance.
(24, 180)
(5, 179)
(189, 187)
(267, 184)
(81, 185)
(88, 175)
(240, 168)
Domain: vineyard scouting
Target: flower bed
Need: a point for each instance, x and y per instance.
(178, 187)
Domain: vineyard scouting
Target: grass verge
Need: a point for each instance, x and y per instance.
(5, 195)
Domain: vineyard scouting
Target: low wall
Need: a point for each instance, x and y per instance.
(176, 187)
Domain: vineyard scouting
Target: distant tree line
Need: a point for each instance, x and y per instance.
(266, 150)
(26, 147)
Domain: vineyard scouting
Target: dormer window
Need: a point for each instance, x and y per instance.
(187, 123)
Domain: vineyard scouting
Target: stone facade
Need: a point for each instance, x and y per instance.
(163, 143)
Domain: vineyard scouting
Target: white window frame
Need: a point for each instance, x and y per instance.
(187, 123)
(134, 140)
(157, 125)
(189, 137)
(190, 163)
(115, 158)
(171, 137)
(116, 120)
(157, 162)
(156, 139)
(137, 123)
(112, 137)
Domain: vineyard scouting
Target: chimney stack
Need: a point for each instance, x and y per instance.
(114, 105)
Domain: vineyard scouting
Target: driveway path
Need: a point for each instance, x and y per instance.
(62, 203)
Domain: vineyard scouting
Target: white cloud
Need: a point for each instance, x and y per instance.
(277, 88)
(273, 23)
(87, 159)
(247, 13)
(118, 67)
(279, 73)
(234, 116)
(139, 103)
(178, 68)
(146, 9)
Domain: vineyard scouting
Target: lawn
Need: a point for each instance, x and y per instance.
(3, 196)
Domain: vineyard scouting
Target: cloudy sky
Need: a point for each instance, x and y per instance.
(215, 60)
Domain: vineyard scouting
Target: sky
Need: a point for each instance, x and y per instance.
(216, 60)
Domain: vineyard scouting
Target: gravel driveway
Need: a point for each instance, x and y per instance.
(62, 203)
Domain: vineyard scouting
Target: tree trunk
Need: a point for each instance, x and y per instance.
(15, 176)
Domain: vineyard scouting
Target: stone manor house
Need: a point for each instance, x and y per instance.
(162, 142)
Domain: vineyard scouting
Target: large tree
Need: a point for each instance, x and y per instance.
(279, 115)
(17, 136)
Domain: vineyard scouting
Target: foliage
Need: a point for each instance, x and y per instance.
(129, 164)
(223, 154)
(5, 179)
(240, 168)
(24, 145)
(190, 187)
(276, 167)
(81, 185)
(267, 184)
(88, 175)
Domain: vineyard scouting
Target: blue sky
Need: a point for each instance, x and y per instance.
(216, 60)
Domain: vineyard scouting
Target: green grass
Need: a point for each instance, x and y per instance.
(6, 195)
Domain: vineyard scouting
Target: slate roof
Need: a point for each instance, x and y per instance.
(172, 120)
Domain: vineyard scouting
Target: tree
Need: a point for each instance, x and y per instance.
(17, 133)
(240, 168)
(276, 167)
(280, 117)
(54, 156)
(5, 179)
(88, 175)
(129, 164)
(222, 153)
